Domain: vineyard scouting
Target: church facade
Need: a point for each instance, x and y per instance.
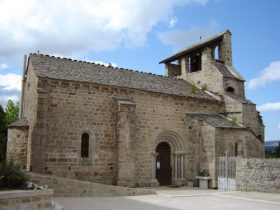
(117, 126)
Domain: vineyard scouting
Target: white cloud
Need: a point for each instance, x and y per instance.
(101, 62)
(10, 82)
(76, 27)
(105, 64)
(4, 99)
(279, 125)
(269, 74)
(3, 66)
(172, 22)
(269, 107)
(177, 37)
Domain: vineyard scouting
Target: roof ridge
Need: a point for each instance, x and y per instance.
(116, 68)
(194, 46)
(205, 40)
(68, 69)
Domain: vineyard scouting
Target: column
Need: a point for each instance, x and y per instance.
(179, 178)
(182, 166)
(154, 155)
(184, 66)
(125, 127)
(175, 161)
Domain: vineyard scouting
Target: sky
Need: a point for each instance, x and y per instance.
(137, 34)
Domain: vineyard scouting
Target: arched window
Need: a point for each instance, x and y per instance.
(216, 53)
(236, 150)
(239, 150)
(230, 89)
(85, 145)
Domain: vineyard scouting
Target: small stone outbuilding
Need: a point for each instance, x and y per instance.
(119, 126)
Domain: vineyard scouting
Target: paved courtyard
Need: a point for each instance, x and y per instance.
(177, 198)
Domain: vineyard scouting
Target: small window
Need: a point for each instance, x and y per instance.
(216, 53)
(230, 89)
(236, 150)
(85, 145)
(239, 150)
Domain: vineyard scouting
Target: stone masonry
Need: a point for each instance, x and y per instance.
(104, 124)
(253, 174)
(26, 199)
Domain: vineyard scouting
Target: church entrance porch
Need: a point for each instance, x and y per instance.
(163, 168)
(168, 162)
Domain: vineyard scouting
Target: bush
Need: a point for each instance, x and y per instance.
(192, 88)
(234, 121)
(204, 86)
(11, 175)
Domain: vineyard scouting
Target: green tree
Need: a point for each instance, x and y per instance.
(277, 151)
(2, 134)
(11, 112)
(7, 116)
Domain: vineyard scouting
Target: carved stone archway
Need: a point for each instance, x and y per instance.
(177, 162)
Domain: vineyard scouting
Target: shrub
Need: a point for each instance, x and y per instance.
(192, 88)
(234, 121)
(12, 176)
(204, 86)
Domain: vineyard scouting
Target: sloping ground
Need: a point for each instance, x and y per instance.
(73, 187)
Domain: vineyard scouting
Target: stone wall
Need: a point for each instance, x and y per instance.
(225, 49)
(172, 70)
(227, 139)
(236, 84)
(207, 143)
(73, 187)
(261, 175)
(245, 113)
(208, 152)
(17, 145)
(251, 119)
(26, 200)
(209, 75)
(29, 103)
(74, 108)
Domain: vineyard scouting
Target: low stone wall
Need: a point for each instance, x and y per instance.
(74, 187)
(255, 174)
(26, 199)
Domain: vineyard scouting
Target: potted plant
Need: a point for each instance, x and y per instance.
(203, 178)
(203, 172)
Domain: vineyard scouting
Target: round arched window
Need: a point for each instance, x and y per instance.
(85, 145)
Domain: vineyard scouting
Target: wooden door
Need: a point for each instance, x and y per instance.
(163, 168)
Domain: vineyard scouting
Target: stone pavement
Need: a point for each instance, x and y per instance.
(177, 198)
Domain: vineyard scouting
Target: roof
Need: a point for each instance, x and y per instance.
(200, 44)
(22, 122)
(216, 120)
(239, 99)
(228, 71)
(46, 66)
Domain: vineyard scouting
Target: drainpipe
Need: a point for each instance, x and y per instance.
(22, 86)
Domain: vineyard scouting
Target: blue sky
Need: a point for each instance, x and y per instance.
(137, 34)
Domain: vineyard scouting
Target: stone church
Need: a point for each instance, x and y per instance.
(119, 126)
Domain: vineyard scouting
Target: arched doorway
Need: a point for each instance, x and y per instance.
(163, 168)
